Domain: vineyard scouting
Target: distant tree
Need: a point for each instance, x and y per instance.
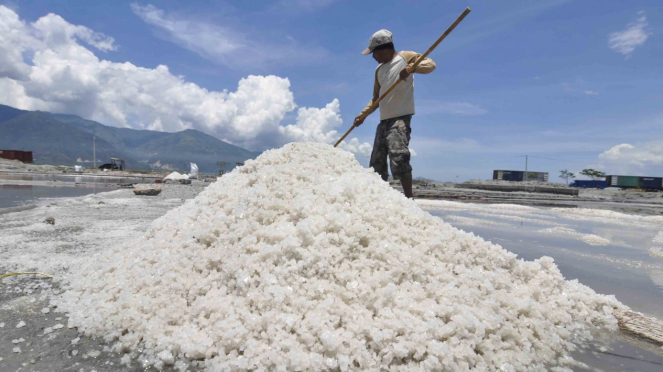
(592, 173)
(222, 164)
(566, 175)
(239, 163)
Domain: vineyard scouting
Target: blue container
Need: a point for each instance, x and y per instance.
(589, 184)
(651, 183)
(513, 176)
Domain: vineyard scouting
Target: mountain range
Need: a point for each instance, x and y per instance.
(67, 140)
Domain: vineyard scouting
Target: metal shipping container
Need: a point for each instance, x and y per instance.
(537, 176)
(508, 175)
(651, 183)
(24, 156)
(623, 181)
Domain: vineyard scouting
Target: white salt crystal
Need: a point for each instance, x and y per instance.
(18, 341)
(125, 360)
(74, 352)
(16, 349)
(305, 250)
(20, 324)
(75, 341)
(45, 310)
(2, 325)
(58, 326)
(166, 357)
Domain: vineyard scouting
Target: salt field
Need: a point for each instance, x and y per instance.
(305, 259)
(610, 252)
(15, 195)
(73, 178)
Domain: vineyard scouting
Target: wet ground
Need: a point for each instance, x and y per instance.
(611, 252)
(82, 226)
(15, 195)
(27, 177)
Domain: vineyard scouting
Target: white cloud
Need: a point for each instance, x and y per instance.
(627, 156)
(225, 44)
(635, 35)
(56, 31)
(66, 77)
(578, 86)
(317, 125)
(428, 107)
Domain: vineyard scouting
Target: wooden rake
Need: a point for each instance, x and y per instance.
(414, 67)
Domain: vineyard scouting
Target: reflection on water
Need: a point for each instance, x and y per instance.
(15, 195)
(75, 178)
(607, 251)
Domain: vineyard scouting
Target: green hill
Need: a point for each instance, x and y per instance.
(67, 140)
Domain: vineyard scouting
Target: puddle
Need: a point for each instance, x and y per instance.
(15, 195)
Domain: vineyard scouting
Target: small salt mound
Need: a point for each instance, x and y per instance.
(176, 176)
(304, 260)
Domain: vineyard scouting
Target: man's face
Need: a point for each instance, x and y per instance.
(383, 55)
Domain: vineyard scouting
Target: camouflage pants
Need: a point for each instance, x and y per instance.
(392, 139)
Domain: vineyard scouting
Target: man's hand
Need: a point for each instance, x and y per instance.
(359, 120)
(404, 74)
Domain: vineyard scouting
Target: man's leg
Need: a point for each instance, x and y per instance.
(379, 155)
(398, 141)
(406, 182)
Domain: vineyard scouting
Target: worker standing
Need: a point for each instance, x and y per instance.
(392, 137)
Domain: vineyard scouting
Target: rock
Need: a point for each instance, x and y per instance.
(148, 192)
(50, 220)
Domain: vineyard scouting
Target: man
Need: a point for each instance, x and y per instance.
(392, 136)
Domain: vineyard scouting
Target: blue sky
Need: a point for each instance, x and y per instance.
(572, 84)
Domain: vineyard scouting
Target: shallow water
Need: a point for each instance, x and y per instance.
(108, 179)
(15, 195)
(608, 252)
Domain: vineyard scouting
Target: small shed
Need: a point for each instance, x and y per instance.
(24, 156)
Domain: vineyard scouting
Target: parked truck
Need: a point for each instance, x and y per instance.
(589, 184)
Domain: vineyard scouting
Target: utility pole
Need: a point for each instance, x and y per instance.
(94, 152)
(525, 178)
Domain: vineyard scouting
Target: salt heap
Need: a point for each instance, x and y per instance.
(303, 260)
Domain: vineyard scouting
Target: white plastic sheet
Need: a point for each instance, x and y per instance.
(194, 171)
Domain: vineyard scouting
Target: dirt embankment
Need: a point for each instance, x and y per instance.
(626, 201)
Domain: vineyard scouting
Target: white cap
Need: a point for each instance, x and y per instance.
(379, 38)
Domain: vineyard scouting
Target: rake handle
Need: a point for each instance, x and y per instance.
(414, 67)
